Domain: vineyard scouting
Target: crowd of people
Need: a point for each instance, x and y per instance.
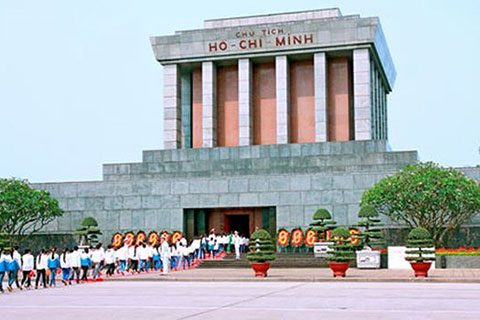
(89, 263)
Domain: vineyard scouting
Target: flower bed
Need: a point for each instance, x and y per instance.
(458, 258)
(461, 251)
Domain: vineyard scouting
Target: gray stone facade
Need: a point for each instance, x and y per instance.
(295, 178)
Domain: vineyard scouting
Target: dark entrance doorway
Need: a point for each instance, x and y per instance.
(245, 220)
(238, 222)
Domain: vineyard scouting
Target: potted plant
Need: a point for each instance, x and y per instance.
(322, 223)
(371, 238)
(262, 252)
(341, 255)
(420, 251)
(88, 231)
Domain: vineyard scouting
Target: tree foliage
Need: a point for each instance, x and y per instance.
(261, 246)
(426, 195)
(88, 231)
(322, 222)
(371, 235)
(23, 210)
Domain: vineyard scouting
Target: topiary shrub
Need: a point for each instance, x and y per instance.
(371, 235)
(88, 231)
(322, 222)
(342, 247)
(420, 246)
(261, 247)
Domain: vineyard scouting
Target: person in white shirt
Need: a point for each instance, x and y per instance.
(122, 257)
(41, 266)
(110, 260)
(27, 267)
(156, 262)
(150, 250)
(196, 248)
(3, 269)
(143, 254)
(133, 257)
(65, 266)
(203, 247)
(236, 243)
(74, 261)
(165, 254)
(98, 256)
(212, 240)
(18, 258)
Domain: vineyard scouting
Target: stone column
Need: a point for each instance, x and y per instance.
(171, 107)
(374, 101)
(282, 110)
(362, 94)
(245, 102)
(186, 94)
(320, 86)
(209, 99)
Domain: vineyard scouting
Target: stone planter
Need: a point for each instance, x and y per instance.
(458, 262)
(368, 259)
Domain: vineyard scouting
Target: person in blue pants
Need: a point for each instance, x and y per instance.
(3, 269)
(11, 267)
(53, 264)
(156, 258)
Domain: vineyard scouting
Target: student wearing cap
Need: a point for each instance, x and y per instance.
(165, 254)
(236, 243)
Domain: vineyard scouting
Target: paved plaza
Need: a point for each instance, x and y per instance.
(246, 300)
(311, 275)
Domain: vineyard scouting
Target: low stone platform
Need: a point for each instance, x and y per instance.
(283, 260)
(310, 275)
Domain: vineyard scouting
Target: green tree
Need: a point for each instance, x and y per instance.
(261, 247)
(419, 246)
(343, 250)
(23, 210)
(371, 235)
(88, 231)
(426, 195)
(322, 222)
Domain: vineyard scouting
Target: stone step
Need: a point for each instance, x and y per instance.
(283, 260)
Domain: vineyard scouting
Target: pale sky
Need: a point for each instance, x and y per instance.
(79, 85)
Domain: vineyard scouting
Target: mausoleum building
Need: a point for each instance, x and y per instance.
(266, 119)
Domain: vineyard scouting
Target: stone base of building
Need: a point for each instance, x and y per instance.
(289, 181)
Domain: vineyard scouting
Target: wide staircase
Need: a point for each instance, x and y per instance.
(283, 260)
